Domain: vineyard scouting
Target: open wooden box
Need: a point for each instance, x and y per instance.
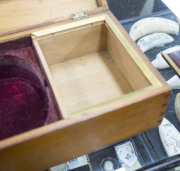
(105, 88)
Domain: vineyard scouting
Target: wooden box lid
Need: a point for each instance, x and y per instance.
(19, 15)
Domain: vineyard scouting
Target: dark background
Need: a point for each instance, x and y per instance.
(123, 9)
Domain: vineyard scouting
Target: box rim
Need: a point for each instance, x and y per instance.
(106, 18)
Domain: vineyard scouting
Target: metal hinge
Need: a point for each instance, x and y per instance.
(80, 16)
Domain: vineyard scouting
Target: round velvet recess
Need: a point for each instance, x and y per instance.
(23, 98)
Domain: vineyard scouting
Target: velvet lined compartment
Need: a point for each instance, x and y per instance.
(26, 100)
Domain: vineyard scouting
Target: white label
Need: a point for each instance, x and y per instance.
(167, 125)
(61, 167)
(121, 169)
(77, 162)
(127, 157)
(74, 163)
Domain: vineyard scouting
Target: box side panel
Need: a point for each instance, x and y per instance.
(74, 140)
(71, 44)
(125, 63)
(137, 55)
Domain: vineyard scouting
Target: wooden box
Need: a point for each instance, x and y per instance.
(104, 87)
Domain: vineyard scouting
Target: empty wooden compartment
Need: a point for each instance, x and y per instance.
(91, 64)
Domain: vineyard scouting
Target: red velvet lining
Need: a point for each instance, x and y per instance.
(23, 85)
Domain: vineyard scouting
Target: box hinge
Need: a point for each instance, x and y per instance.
(80, 16)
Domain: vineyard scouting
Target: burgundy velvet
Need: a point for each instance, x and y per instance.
(26, 100)
(21, 107)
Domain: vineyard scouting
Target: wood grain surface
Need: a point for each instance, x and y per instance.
(73, 43)
(122, 57)
(17, 15)
(88, 80)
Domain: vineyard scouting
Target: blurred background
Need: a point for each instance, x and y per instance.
(124, 9)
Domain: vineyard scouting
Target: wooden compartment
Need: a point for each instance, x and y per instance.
(104, 86)
(89, 66)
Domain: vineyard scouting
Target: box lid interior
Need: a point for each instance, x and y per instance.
(20, 15)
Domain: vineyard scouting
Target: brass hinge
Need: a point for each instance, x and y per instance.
(80, 16)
